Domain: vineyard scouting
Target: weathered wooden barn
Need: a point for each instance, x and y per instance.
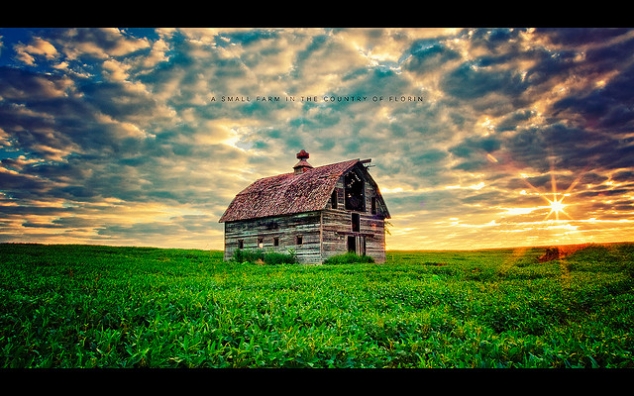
(318, 212)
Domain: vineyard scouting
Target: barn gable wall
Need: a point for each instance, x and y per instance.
(337, 225)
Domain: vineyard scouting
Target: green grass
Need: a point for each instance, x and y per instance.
(96, 306)
(261, 256)
(348, 258)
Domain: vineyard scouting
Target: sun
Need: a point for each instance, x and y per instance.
(556, 206)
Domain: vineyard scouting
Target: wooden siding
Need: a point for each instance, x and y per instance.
(337, 226)
(286, 228)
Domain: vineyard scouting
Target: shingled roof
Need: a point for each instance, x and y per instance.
(288, 193)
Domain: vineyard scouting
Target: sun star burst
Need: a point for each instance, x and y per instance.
(556, 207)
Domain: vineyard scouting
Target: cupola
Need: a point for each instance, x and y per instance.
(303, 165)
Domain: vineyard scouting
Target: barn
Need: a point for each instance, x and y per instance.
(318, 212)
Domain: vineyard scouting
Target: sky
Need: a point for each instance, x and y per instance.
(479, 137)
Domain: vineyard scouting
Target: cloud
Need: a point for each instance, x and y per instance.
(39, 47)
(98, 43)
(21, 84)
(157, 55)
(110, 135)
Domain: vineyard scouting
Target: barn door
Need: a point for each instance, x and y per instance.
(356, 244)
(361, 246)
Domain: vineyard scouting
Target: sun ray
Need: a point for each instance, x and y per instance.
(555, 205)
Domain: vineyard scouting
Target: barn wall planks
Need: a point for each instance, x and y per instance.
(285, 228)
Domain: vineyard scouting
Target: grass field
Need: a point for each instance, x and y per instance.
(96, 306)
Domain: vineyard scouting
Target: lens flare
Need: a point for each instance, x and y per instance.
(556, 207)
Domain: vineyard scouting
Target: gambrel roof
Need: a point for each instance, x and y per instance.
(290, 193)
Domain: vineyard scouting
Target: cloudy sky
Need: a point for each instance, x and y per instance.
(479, 138)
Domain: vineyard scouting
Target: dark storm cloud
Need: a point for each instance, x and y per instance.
(543, 183)
(551, 67)
(245, 38)
(592, 178)
(75, 222)
(610, 107)
(469, 81)
(55, 171)
(140, 229)
(624, 208)
(493, 39)
(604, 193)
(428, 54)
(30, 224)
(511, 121)
(431, 157)
(487, 197)
(19, 85)
(355, 74)
(578, 36)
(621, 157)
(431, 201)
(377, 81)
(575, 149)
(607, 58)
(475, 145)
(23, 187)
(41, 122)
(196, 223)
(77, 193)
(474, 152)
(27, 210)
(623, 176)
(117, 101)
(471, 166)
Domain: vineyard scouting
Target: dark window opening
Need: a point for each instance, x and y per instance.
(333, 199)
(271, 225)
(240, 244)
(260, 243)
(354, 192)
(298, 240)
(356, 222)
(373, 205)
(352, 246)
(276, 241)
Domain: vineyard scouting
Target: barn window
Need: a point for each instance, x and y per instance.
(373, 205)
(298, 240)
(276, 241)
(354, 192)
(260, 243)
(355, 222)
(333, 199)
(240, 244)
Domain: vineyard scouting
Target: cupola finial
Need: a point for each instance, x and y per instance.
(303, 165)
